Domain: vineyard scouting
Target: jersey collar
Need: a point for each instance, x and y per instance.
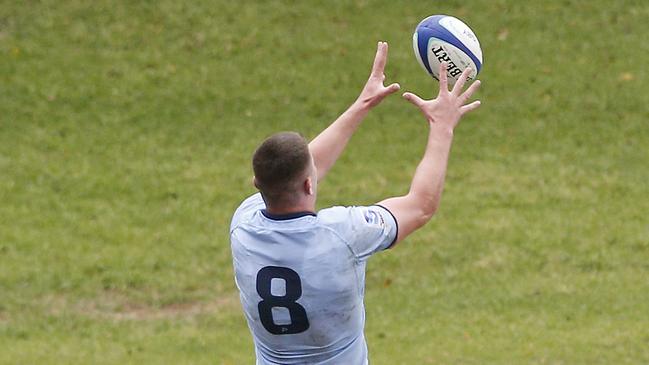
(283, 217)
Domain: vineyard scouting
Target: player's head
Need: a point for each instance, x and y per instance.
(284, 169)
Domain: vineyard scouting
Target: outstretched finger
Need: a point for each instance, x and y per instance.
(380, 59)
(414, 99)
(469, 107)
(469, 91)
(457, 88)
(443, 78)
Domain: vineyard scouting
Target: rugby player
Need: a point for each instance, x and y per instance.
(301, 273)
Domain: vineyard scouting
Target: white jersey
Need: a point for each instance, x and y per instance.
(301, 279)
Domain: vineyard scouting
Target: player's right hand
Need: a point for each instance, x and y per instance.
(374, 91)
(448, 107)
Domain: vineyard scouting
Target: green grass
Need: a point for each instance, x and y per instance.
(126, 130)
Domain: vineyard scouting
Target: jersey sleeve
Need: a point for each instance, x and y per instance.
(247, 208)
(366, 230)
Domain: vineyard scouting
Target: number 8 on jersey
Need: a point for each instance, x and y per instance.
(297, 313)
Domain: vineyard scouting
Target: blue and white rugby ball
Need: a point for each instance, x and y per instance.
(441, 38)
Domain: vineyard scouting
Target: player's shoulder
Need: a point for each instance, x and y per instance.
(351, 216)
(366, 229)
(335, 215)
(247, 209)
(347, 215)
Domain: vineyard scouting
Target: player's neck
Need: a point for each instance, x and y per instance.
(305, 205)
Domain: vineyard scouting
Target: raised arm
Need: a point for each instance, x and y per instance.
(443, 113)
(330, 143)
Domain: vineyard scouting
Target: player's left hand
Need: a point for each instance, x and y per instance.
(374, 91)
(445, 111)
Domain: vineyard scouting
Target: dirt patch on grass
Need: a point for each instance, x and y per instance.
(170, 311)
(118, 306)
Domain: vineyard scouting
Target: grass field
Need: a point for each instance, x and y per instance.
(126, 131)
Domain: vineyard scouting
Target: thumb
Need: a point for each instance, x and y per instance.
(391, 89)
(413, 99)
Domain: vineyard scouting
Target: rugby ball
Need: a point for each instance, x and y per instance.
(441, 38)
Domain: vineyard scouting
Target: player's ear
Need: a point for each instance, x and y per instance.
(308, 186)
(254, 182)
